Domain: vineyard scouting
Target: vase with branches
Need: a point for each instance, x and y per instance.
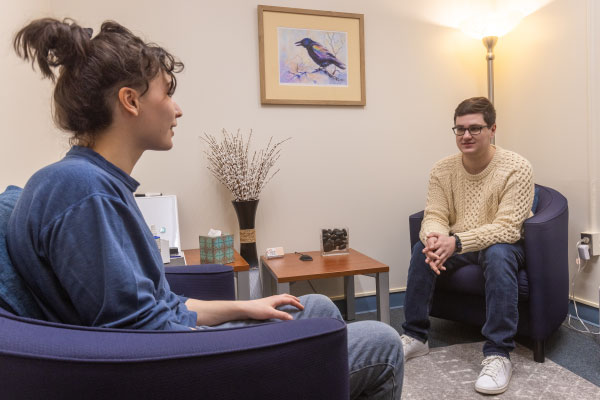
(245, 175)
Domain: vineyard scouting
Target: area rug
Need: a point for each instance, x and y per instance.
(450, 373)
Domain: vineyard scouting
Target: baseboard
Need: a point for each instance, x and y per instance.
(367, 302)
(589, 314)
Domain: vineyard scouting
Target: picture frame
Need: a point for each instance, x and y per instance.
(311, 57)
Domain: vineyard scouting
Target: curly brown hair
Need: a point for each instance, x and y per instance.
(91, 70)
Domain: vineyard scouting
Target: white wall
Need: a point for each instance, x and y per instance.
(365, 167)
(29, 140)
(543, 97)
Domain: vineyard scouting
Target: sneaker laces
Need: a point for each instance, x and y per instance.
(407, 340)
(492, 366)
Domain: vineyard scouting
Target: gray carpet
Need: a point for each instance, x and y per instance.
(573, 351)
(450, 373)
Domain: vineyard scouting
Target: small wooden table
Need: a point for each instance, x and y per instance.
(277, 273)
(241, 270)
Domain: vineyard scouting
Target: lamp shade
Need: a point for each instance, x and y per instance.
(491, 24)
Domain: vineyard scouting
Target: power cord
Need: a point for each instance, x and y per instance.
(310, 283)
(582, 253)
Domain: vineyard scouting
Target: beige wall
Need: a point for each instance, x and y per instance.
(29, 140)
(549, 111)
(365, 167)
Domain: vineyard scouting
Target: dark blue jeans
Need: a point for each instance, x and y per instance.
(500, 263)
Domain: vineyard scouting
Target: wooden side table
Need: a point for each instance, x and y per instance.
(277, 273)
(241, 270)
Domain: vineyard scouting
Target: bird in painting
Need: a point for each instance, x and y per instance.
(319, 54)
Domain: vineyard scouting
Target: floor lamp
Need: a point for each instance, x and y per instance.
(489, 42)
(489, 27)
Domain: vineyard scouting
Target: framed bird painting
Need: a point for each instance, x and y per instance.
(311, 57)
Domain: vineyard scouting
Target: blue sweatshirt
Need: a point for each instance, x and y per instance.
(80, 242)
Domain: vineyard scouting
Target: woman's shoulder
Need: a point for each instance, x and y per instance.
(69, 175)
(57, 187)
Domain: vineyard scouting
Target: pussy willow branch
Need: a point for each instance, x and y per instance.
(228, 162)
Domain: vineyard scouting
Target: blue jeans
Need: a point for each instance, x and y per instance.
(500, 263)
(375, 353)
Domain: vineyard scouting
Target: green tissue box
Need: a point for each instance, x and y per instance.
(216, 250)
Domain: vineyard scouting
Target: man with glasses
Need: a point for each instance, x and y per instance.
(476, 204)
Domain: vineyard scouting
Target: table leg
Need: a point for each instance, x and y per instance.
(383, 297)
(243, 285)
(350, 301)
(266, 279)
(283, 287)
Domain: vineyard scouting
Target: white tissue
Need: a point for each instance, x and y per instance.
(214, 233)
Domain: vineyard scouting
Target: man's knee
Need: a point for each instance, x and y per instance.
(417, 256)
(499, 251)
(417, 249)
(502, 256)
(418, 265)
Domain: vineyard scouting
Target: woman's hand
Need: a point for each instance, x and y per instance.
(217, 312)
(265, 308)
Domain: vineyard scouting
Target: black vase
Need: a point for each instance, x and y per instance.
(246, 213)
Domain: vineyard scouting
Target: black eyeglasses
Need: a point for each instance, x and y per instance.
(473, 129)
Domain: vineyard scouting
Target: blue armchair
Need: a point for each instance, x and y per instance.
(304, 359)
(543, 283)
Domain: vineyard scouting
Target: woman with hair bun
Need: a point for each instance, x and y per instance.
(76, 235)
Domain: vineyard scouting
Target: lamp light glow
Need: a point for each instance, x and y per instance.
(488, 27)
(480, 26)
(478, 18)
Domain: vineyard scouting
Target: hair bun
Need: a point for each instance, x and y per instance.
(53, 43)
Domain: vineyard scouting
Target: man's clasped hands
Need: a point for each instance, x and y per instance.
(438, 248)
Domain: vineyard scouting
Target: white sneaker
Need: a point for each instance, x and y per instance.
(413, 347)
(495, 375)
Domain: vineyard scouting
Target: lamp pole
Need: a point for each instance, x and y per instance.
(489, 42)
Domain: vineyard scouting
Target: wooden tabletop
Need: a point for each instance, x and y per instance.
(289, 268)
(192, 257)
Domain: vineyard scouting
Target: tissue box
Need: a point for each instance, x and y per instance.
(274, 252)
(216, 250)
(165, 251)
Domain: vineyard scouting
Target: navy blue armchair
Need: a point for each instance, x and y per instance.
(543, 283)
(304, 359)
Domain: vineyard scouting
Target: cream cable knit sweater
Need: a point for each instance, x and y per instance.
(482, 209)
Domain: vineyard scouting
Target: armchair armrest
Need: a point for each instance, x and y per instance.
(547, 262)
(414, 223)
(287, 360)
(204, 282)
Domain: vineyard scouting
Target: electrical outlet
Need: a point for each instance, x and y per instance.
(593, 242)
